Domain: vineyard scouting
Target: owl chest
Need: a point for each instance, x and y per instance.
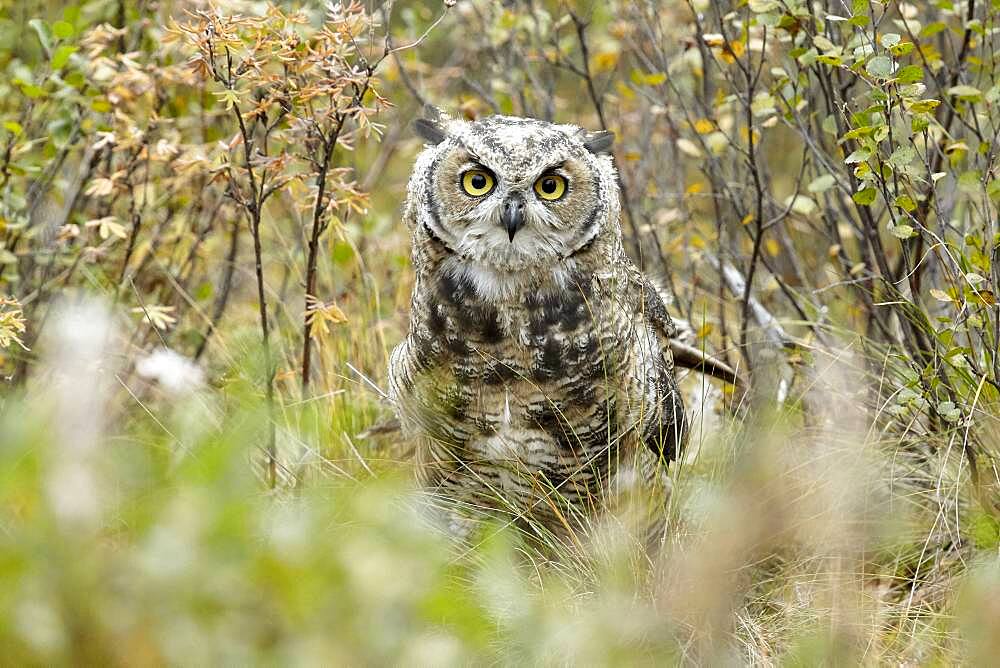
(547, 369)
(535, 343)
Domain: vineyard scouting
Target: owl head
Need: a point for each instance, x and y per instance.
(509, 195)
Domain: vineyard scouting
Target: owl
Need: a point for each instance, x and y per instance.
(536, 377)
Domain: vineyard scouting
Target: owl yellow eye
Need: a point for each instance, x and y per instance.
(550, 187)
(477, 183)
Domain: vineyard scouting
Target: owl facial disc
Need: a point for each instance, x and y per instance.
(513, 195)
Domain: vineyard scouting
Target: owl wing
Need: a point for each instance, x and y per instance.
(681, 354)
(653, 307)
(665, 430)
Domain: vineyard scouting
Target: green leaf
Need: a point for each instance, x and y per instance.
(906, 203)
(32, 91)
(763, 104)
(342, 252)
(879, 66)
(808, 57)
(919, 123)
(869, 116)
(932, 29)
(890, 39)
(13, 127)
(862, 131)
(822, 183)
(42, 31)
(61, 56)
(865, 196)
(969, 93)
(910, 74)
(970, 182)
(770, 19)
(62, 29)
(984, 529)
(76, 79)
(903, 231)
(823, 44)
(829, 125)
(923, 106)
(861, 155)
(902, 156)
(949, 411)
(71, 13)
(993, 190)
(902, 49)
(204, 290)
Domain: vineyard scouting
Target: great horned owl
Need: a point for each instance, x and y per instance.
(536, 375)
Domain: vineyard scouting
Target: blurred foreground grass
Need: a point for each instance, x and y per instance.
(152, 541)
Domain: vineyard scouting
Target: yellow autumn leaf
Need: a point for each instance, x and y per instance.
(605, 61)
(746, 136)
(703, 126)
(731, 51)
(622, 89)
(321, 315)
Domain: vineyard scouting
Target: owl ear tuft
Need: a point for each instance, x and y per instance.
(430, 128)
(599, 142)
(430, 131)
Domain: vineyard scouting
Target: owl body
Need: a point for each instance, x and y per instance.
(536, 374)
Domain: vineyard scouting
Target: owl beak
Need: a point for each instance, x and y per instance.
(512, 215)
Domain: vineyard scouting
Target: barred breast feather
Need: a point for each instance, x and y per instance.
(530, 405)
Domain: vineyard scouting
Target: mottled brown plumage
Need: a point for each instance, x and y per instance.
(536, 376)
